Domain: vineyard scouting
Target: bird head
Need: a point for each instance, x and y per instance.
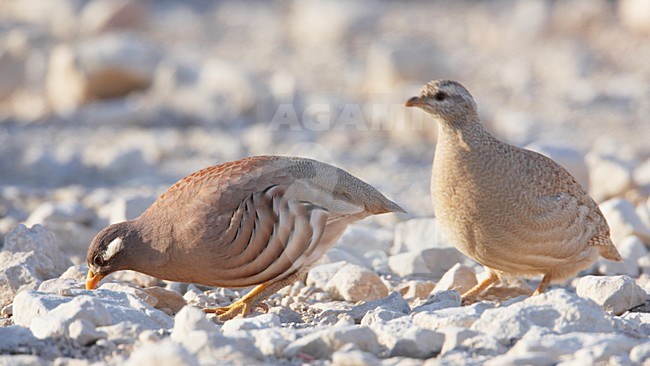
(448, 101)
(107, 253)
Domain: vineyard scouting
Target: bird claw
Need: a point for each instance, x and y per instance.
(231, 311)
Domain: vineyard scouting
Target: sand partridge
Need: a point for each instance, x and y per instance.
(516, 212)
(257, 221)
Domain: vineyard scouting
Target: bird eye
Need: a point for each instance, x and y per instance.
(440, 96)
(98, 260)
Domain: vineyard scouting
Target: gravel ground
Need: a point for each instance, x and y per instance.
(104, 104)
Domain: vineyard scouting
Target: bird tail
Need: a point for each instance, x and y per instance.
(608, 251)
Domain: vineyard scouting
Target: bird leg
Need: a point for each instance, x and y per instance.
(543, 285)
(471, 294)
(253, 299)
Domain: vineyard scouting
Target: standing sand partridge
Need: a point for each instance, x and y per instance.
(514, 211)
(258, 221)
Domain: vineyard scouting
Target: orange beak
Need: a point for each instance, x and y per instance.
(92, 280)
(414, 102)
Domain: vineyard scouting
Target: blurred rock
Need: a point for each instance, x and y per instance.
(51, 212)
(257, 322)
(391, 65)
(571, 159)
(463, 316)
(165, 353)
(190, 319)
(99, 16)
(635, 15)
(439, 300)
(418, 343)
(631, 249)
(123, 209)
(557, 310)
(106, 67)
(166, 299)
(317, 22)
(394, 303)
(616, 294)
(640, 353)
(69, 222)
(431, 263)
(322, 343)
(14, 338)
(58, 18)
(643, 211)
(28, 257)
(417, 234)
(416, 289)
(642, 175)
(623, 220)
(353, 283)
(361, 239)
(558, 347)
(339, 254)
(608, 176)
(319, 275)
(350, 356)
(12, 70)
(459, 277)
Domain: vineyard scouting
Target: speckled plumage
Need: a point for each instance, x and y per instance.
(259, 220)
(513, 210)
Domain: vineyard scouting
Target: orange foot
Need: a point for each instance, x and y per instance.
(241, 307)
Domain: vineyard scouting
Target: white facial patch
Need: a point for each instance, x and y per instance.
(112, 248)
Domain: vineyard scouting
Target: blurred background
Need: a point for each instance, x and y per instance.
(105, 103)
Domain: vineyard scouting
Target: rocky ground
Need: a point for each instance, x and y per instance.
(105, 103)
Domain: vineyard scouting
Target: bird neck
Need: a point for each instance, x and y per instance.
(463, 135)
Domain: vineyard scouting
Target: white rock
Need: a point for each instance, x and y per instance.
(631, 249)
(623, 220)
(416, 342)
(459, 277)
(257, 322)
(558, 310)
(353, 283)
(353, 357)
(273, 341)
(190, 319)
(417, 234)
(642, 175)
(362, 239)
(571, 159)
(431, 263)
(166, 299)
(454, 316)
(531, 359)
(99, 68)
(28, 257)
(559, 346)
(608, 176)
(51, 315)
(635, 15)
(394, 303)
(14, 337)
(455, 336)
(60, 212)
(416, 289)
(335, 255)
(57, 18)
(616, 294)
(322, 343)
(319, 275)
(165, 353)
(440, 300)
(99, 16)
(643, 211)
(640, 353)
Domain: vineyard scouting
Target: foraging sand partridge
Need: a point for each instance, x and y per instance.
(514, 211)
(257, 221)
